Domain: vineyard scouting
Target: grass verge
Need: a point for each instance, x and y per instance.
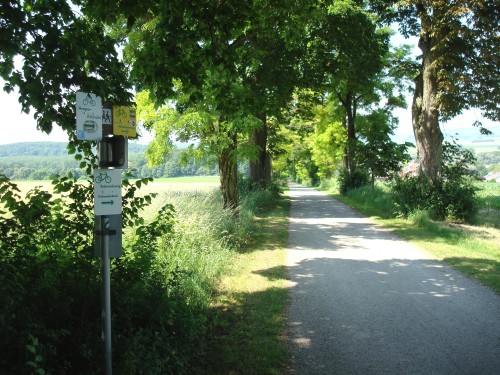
(248, 311)
(475, 251)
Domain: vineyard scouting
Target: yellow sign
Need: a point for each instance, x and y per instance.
(124, 121)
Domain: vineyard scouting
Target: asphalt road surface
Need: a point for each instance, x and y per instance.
(365, 302)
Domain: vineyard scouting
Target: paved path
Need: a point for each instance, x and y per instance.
(365, 302)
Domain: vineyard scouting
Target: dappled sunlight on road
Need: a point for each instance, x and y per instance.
(366, 302)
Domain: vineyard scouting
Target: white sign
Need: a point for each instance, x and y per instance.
(88, 117)
(107, 191)
(107, 116)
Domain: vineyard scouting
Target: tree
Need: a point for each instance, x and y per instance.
(362, 72)
(328, 142)
(50, 51)
(276, 43)
(212, 59)
(460, 44)
(377, 152)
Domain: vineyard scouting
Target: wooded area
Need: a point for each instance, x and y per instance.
(42, 161)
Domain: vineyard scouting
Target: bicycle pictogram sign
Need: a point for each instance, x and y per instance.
(102, 176)
(121, 112)
(88, 100)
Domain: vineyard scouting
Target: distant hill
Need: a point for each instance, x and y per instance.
(469, 137)
(51, 149)
(41, 160)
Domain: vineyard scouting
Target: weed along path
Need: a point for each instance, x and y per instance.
(365, 302)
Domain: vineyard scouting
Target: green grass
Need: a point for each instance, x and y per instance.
(489, 201)
(473, 250)
(189, 180)
(248, 311)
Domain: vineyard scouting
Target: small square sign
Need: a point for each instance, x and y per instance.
(107, 191)
(124, 121)
(107, 116)
(88, 117)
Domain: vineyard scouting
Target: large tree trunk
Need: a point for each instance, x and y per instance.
(425, 115)
(228, 171)
(260, 169)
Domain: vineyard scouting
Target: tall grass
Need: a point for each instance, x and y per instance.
(201, 248)
(161, 288)
(488, 196)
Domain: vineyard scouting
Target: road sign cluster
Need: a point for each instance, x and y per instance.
(109, 125)
(92, 118)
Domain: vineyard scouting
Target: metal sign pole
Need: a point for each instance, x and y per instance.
(106, 295)
(97, 123)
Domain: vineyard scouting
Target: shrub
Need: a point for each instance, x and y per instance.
(420, 218)
(49, 284)
(451, 200)
(161, 286)
(348, 181)
(453, 197)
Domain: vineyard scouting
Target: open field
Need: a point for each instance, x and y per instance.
(177, 184)
(483, 146)
(164, 187)
(157, 186)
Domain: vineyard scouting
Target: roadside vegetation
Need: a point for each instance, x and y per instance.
(193, 285)
(248, 311)
(272, 86)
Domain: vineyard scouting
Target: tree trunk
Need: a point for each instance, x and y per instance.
(345, 158)
(228, 171)
(349, 104)
(260, 169)
(351, 132)
(425, 115)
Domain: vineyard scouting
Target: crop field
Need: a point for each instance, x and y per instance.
(166, 188)
(484, 146)
(157, 186)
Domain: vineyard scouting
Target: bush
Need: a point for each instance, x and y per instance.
(275, 187)
(453, 197)
(420, 218)
(443, 200)
(161, 287)
(49, 284)
(379, 197)
(348, 181)
(331, 185)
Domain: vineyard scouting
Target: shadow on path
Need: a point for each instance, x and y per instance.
(365, 302)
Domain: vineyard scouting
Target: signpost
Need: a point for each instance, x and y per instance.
(88, 117)
(93, 123)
